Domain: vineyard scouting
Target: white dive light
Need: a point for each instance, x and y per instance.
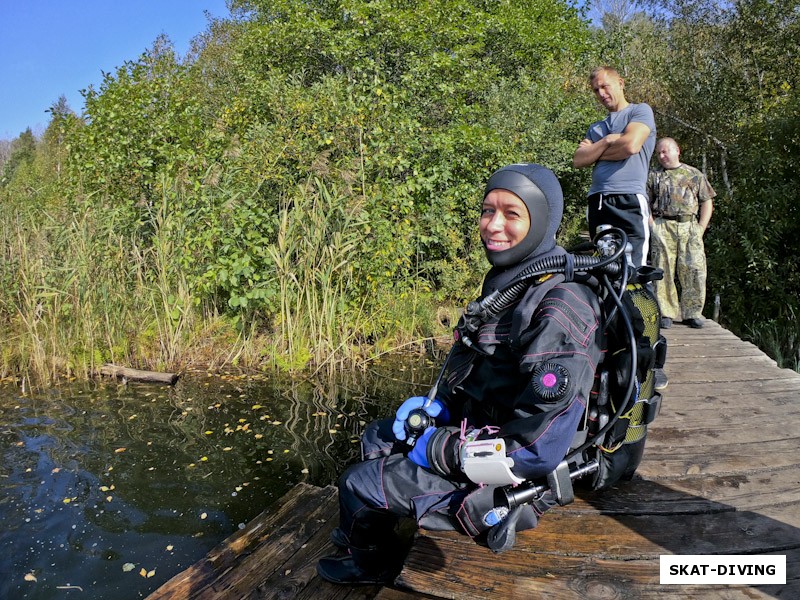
(485, 462)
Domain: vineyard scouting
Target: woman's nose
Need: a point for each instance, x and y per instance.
(497, 222)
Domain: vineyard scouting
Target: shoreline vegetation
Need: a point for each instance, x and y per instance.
(84, 296)
(299, 192)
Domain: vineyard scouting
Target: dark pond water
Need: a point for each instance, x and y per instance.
(109, 490)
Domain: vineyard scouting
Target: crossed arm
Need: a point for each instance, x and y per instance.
(614, 146)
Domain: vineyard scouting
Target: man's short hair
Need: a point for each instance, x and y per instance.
(605, 69)
(667, 140)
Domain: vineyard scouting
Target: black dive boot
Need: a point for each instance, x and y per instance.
(340, 539)
(362, 566)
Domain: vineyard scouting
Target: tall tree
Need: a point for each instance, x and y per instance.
(22, 153)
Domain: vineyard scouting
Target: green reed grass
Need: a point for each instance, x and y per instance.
(778, 339)
(80, 287)
(319, 230)
(77, 294)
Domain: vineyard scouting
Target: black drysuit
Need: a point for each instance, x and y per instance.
(556, 325)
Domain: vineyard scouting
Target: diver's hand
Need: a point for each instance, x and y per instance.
(434, 409)
(419, 453)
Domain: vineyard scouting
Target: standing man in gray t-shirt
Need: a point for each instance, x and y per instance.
(618, 149)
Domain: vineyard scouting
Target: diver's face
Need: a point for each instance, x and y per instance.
(504, 220)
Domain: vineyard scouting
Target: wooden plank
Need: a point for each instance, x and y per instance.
(297, 578)
(633, 537)
(269, 560)
(449, 568)
(771, 417)
(665, 460)
(713, 370)
(678, 388)
(272, 537)
(719, 349)
(693, 494)
(388, 593)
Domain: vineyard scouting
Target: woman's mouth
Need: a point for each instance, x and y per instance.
(497, 245)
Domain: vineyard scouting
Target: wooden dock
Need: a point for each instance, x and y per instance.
(720, 476)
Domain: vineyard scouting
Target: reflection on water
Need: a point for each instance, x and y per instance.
(113, 489)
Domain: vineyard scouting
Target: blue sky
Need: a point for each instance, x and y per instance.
(54, 47)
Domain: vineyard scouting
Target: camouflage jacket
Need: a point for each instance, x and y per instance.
(677, 191)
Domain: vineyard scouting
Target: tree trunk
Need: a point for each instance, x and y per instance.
(137, 375)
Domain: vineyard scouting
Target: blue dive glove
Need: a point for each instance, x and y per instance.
(419, 453)
(434, 409)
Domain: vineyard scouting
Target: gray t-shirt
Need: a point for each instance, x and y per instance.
(627, 176)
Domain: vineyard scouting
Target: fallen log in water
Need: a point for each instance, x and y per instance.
(137, 375)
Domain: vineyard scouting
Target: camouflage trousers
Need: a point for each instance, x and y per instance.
(678, 249)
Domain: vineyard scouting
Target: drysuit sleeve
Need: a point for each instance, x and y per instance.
(561, 349)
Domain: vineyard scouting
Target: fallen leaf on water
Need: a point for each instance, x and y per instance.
(143, 572)
(30, 577)
(118, 450)
(204, 515)
(128, 567)
(170, 547)
(256, 406)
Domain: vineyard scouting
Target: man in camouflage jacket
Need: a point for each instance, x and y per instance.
(681, 201)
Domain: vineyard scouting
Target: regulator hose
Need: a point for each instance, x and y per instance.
(480, 311)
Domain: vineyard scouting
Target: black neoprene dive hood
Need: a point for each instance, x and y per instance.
(539, 189)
